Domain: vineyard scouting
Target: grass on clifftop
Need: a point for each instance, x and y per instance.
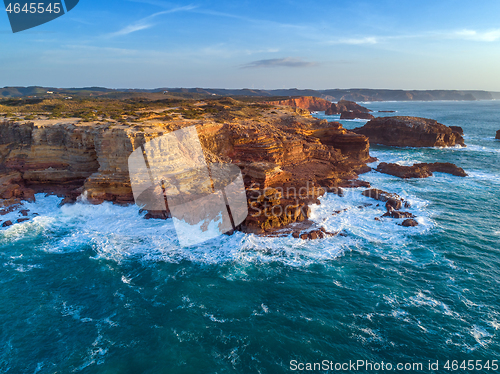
(132, 110)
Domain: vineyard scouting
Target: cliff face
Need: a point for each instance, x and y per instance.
(410, 132)
(305, 102)
(287, 160)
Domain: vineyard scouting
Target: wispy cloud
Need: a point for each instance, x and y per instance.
(464, 34)
(147, 22)
(357, 41)
(479, 36)
(288, 62)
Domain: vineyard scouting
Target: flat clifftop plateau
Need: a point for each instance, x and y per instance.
(287, 159)
(402, 131)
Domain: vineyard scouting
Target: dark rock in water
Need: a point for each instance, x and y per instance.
(422, 170)
(387, 111)
(355, 114)
(24, 212)
(397, 214)
(380, 195)
(7, 224)
(20, 220)
(498, 135)
(313, 234)
(345, 106)
(395, 204)
(157, 214)
(409, 223)
(457, 129)
(402, 131)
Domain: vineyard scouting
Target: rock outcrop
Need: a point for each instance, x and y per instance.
(345, 106)
(409, 223)
(287, 160)
(421, 170)
(310, 103)
(356, 114)
(498, 135)
(410, 132)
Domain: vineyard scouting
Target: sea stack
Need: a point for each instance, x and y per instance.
(402, 131)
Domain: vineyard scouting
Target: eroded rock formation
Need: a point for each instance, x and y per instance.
(410, 132)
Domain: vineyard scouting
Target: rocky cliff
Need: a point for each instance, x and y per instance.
(288, 160)
(305, 102)
(410, 132)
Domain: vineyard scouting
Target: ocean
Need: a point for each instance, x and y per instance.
(99, 289)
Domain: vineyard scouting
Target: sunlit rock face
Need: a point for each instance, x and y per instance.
(278, 152)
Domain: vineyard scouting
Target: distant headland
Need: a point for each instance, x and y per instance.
(355, 94)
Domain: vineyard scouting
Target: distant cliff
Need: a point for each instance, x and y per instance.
(357, 94)
(305, 102)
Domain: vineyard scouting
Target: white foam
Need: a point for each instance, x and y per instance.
(119, 233)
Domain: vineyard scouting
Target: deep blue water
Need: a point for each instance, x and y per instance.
(98, 289)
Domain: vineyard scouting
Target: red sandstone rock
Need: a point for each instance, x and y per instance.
(410, 132)
(457, 129)
(305, 102)
(421, 170)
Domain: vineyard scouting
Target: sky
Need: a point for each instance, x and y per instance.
(395, 44)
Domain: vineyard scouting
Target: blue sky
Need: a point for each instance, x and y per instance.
(422, 44)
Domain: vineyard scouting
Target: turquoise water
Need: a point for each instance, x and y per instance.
(98, 289)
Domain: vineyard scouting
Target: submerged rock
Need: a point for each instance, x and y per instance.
(402, 131)
(421, 170)
(7, 224)
(320, 233)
